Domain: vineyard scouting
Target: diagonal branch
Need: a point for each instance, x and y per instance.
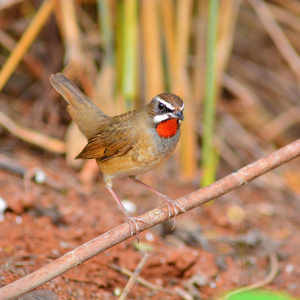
(154, 217)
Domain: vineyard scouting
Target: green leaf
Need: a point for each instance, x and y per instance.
(259, 295)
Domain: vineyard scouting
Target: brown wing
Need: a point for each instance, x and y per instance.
(115, 139)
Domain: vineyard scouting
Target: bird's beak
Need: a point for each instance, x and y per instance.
(177, 115)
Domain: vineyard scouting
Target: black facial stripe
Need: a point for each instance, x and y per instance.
(165, 110)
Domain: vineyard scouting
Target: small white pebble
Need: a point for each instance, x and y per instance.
(117, 291)
(149, 237)
(3, 207)
(129, 206)
(289, 268)
(162, 260)
(213, 285)
(40, 176)
(19, 219)
(64, 244)
(55, 251)
(79, 231)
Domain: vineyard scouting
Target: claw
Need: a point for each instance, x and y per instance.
(133, 223)
(175, 207)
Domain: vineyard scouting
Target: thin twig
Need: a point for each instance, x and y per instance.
(154, 217)
(8, 4)
(241, 91)
(31, 136)
(134, 276)
(268, 279)
(33, 65)
(277, 35)
(280, 123)
(140, 280)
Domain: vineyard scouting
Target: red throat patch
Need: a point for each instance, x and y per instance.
(167, 129)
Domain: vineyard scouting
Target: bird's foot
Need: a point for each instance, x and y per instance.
(173, 207)
(134, 227)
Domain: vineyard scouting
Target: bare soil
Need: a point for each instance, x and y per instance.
(214, 248)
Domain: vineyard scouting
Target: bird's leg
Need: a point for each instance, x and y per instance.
(172, 205)
(130, 220)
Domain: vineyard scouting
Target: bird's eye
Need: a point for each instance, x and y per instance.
(161, 106)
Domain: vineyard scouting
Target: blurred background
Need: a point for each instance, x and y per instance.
(236, 65)
(123, 53)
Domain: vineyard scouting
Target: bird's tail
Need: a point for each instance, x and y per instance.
(83, 111)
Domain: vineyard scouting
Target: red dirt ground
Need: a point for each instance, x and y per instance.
(204, 256)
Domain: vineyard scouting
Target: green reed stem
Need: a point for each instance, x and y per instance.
(209, 155)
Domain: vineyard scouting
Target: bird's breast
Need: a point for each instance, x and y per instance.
(149, 152)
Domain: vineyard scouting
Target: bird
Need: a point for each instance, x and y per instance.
(128, 144)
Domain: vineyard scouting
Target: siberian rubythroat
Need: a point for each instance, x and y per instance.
(128, 144)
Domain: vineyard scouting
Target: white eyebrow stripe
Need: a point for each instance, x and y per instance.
(165, 103)
(182, 107)
(159, 118)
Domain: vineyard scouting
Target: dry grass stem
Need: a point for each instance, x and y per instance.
(152, 49)
(134, 276)
(278, 36)
(141, 280)
(32, 136)
(25, 42)
(274, 267)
